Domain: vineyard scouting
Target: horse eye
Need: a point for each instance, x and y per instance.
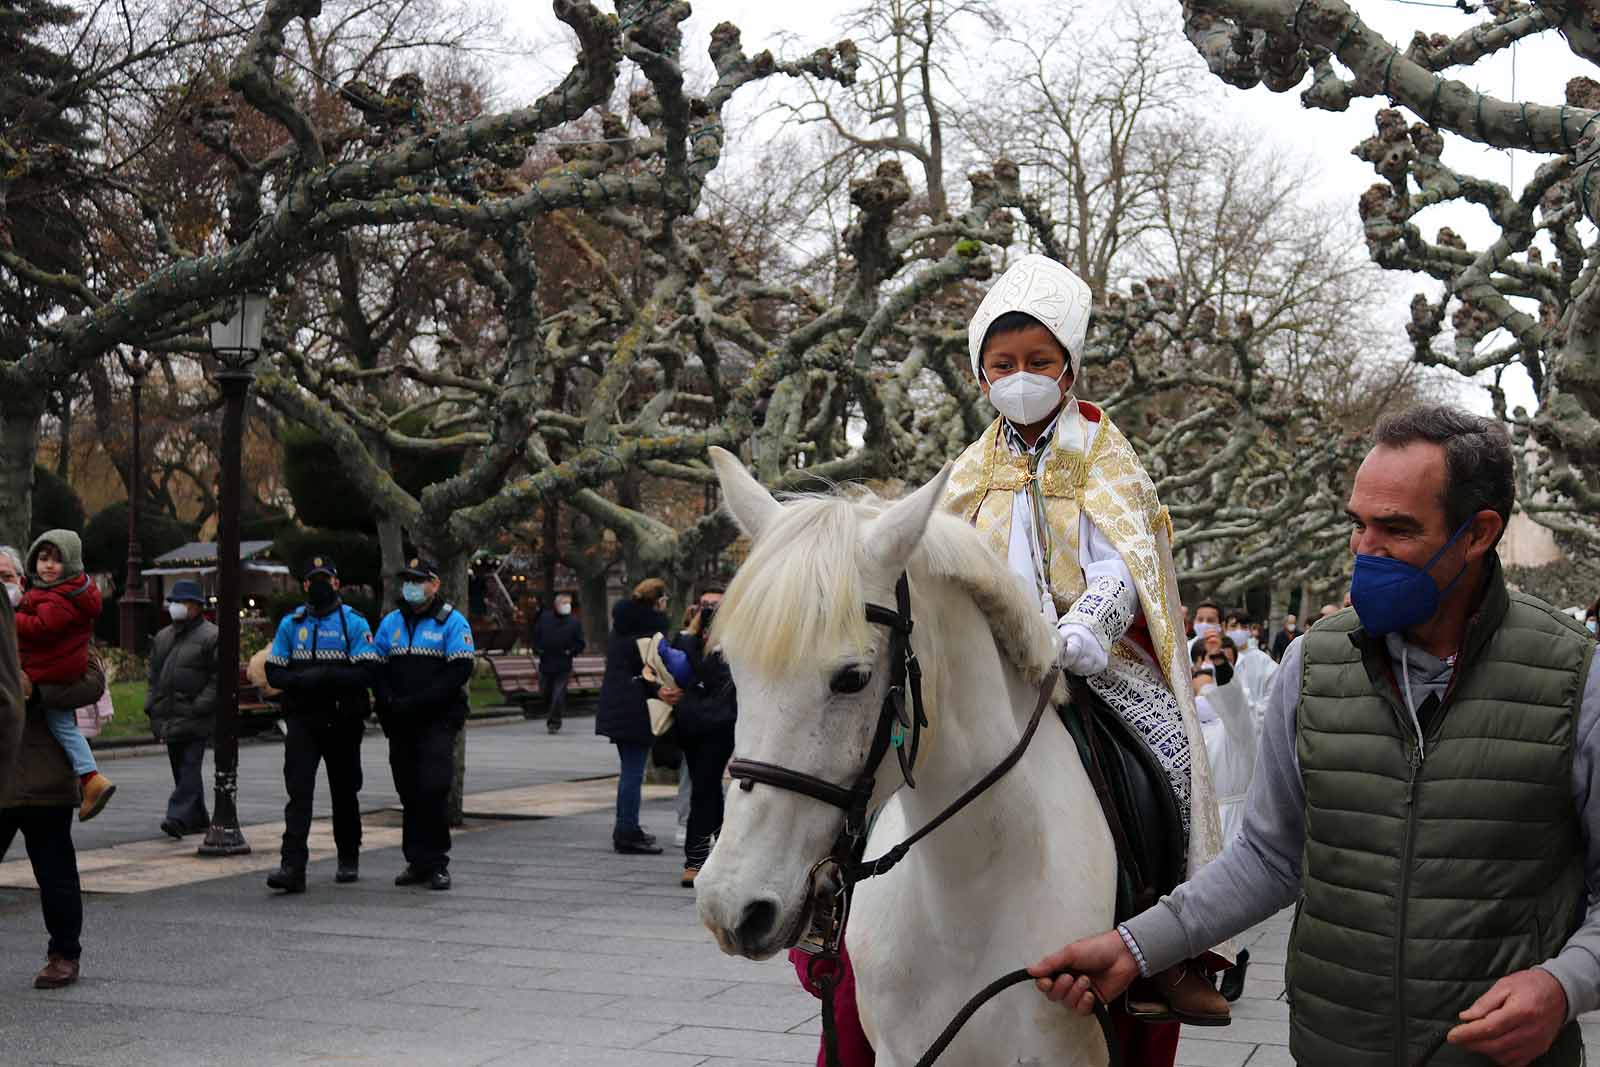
(850, 680)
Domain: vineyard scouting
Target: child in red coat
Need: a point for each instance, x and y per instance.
(55, 620)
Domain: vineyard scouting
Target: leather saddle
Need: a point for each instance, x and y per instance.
(1135, 796)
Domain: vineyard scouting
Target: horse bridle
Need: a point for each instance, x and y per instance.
(896, 729)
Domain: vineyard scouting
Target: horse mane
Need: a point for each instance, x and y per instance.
(800, 587)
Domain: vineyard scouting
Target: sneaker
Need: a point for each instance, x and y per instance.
(439, 880)
(348, 872)
(172, 829)
(97, 790)
(288, 879)
(553, 725)
(59, 972)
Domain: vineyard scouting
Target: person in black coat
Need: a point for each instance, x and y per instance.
(703, 723)
(558, 636)
(623, 715)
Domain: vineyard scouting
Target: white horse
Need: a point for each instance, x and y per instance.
(1028, 867)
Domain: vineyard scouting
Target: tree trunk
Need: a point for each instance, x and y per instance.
(596, 612)
(392, 551)
(64, 441)
(19, 444)
(1277, 607)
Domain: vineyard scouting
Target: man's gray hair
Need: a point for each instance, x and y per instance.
(16, 558)
(1479, 473)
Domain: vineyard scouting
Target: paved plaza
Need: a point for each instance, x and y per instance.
(551, 950)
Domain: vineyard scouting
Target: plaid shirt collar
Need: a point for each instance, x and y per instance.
(1021, 448)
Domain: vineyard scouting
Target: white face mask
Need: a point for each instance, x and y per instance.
(14, 593)
(1240, 637)
(1201, 629)
(178, 610)
(1289, 627)
(1025, 398)
(563, 609)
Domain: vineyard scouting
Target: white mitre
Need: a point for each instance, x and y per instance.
(1043, 288)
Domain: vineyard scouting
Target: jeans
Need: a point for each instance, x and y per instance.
(704, 758)
(63, 723)
(47, 835)
(629, 786)
(335, 740)
(421, 757)
(555, 689)
(187, 804)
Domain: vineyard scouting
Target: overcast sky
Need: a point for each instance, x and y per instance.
(1534, 70)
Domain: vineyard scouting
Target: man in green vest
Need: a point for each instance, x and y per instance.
(1424, 794)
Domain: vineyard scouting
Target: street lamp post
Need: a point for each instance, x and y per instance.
(135, 607)
(236, 343)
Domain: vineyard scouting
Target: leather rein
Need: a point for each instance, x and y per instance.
(843, 868)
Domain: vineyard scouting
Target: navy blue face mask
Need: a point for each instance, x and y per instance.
(1390, 595)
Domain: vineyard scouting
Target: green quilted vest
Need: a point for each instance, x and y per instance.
(1428, 877)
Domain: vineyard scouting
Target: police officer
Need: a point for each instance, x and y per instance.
(425, 650)
(321, 659)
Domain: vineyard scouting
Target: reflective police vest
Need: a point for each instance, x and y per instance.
(415, 649)
(339, 639)
(341, 635)
(441, 634)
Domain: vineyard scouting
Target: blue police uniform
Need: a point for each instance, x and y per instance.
(426, 658)
(322, 658)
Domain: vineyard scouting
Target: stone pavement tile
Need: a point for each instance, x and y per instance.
(51, 1046)
(770, 993)
(144, 1053)
(373, 1014)
(462, 973)
(161, 996)
(1252, 1007)
(511, 1001)
(720, 1061)
(570, 1030)
(572, 1056)
(223, 1031)
(1270, 1056)
(623, 984)
(812, 1026)
(378, 1048)
(783, 1048)
(777, 1018)
(1246, 1031)
(1204, 1052)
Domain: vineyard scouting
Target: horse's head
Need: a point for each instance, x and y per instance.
(811, 673)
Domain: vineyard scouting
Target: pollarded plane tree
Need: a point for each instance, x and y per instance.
(1525, 299)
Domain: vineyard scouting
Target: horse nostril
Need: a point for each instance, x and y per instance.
(757, 922)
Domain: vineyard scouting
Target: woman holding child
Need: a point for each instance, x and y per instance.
(41, 787)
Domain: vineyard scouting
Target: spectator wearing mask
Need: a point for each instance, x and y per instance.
(55, 621)
(320, 660)
(38, 789)
(1285, 635)
(705, 719)
(1207, 620)
(624, 714)
(558, 636)
(181, 702)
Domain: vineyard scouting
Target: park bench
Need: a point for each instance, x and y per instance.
(517, 675)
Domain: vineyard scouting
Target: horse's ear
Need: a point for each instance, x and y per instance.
(893, 535)
(749, 502)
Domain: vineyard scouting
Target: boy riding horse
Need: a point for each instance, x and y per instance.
(1059, 493)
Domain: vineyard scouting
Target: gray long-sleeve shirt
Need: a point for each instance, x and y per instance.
(1258, 871)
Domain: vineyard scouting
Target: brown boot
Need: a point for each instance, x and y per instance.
(1181, 994)
(59, 972)
(687, 881)
(97, 790)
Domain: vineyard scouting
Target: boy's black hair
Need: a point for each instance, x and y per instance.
(1212, 604)
(1016, 322)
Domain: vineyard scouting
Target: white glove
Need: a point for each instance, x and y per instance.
(1081, 652)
